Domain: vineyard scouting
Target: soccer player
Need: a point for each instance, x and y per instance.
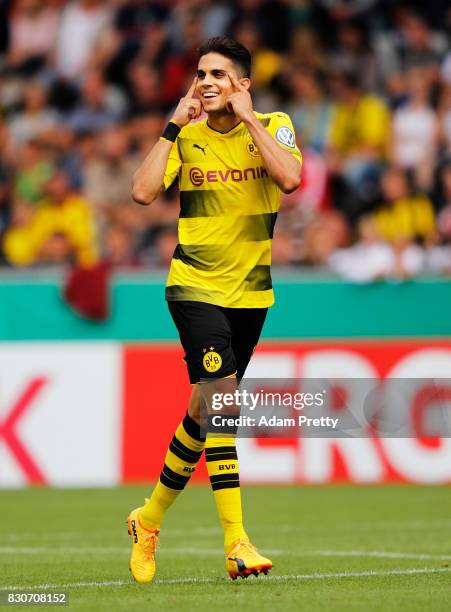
(231, 168)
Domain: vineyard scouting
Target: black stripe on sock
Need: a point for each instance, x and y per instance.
(225, 485)
(223, 457)
(220, 450)
(179, 478)
(212, 450)
(183, 452)
(193, 429)
(170, 483)
(214, 479)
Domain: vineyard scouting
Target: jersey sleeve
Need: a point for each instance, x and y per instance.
(281, 129)
(173, 166)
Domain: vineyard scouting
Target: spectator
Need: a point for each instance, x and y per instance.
(369, 259)
(165, 244)
(353, 55)
(108, 175)
(266, 63)
(100, 105)
(4, 198)
(216, 18)
(342, 10)
(306, 50)
(300, 208)
(439, 253)
(419, 46)
(271, 19)
(309, 109)
(6, 182)
(283, 249)
(34, 168)
(144, 89)
(327, 232)
(133, 18)
(82, 24)
(35, 119)
(56, 250)
(19, 246)
(415, 131)
(443, 198)
(404, 215)
(445, 70)
(5, 26)
(74, 153)
(409, 259)
(145, 131)
(62, 227)
(372, 259)
(34, 29)
(156, 52)
(357, 144)
(119, 248)
(444, 119)
(411, 45)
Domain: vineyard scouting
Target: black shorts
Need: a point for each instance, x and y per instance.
(217, 341)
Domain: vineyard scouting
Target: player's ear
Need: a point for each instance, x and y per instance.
(245, 82)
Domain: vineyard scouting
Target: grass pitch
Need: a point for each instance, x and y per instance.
(334, 548)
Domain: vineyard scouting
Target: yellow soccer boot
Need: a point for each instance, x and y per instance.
(243, 559)
(144, 546)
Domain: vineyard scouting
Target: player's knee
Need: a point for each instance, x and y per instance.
(194, 404)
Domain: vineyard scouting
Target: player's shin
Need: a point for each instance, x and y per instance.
(222, 459)
(184, 452)
(222, 466)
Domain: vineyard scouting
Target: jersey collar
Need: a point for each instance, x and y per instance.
(223, 134)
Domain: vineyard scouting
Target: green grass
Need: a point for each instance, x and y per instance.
(320, 539)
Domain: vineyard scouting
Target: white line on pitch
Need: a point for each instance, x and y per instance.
(299, 577)
(213, 531)
(400, 525)
(202, 552)
(84, 550)
(76, 535)
(373, 553)
(38, 550)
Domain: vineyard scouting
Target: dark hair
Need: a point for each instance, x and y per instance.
(228, 47)
(350, 78)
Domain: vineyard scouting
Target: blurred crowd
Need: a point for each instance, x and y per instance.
(87, 86)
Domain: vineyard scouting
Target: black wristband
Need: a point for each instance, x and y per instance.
(171, 131)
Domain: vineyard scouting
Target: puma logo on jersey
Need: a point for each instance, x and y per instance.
(196, 146)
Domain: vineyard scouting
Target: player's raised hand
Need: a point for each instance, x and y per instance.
(240, 101)
(188, 108)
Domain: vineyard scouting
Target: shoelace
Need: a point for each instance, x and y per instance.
(149, 544)
(247, 545)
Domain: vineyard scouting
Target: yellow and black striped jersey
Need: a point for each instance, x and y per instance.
(228, 208)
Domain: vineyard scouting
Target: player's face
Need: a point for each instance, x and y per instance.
(213, 84)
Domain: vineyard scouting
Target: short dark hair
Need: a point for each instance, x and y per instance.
(228, 47)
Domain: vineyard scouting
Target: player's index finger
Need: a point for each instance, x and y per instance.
(191, 90)
(236, 84)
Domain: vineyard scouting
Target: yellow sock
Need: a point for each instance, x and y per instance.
(180, 462)
(222, 466)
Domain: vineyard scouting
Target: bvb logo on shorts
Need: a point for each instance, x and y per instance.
(212, 361)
